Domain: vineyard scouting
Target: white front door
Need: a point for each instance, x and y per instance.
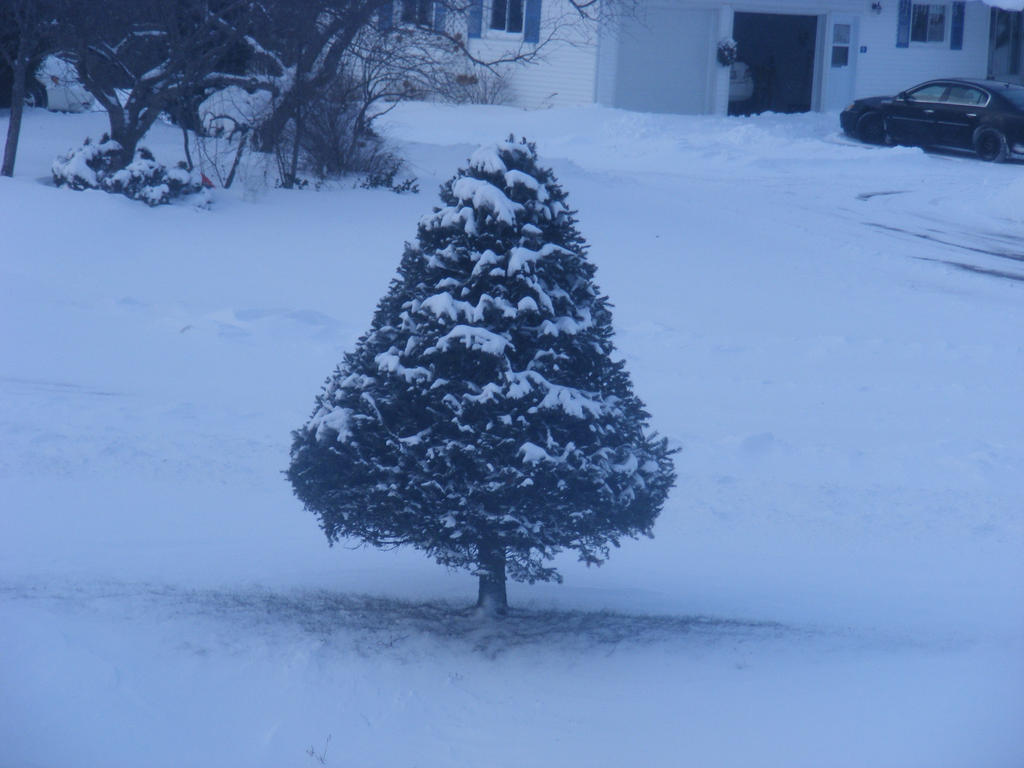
(840, 64)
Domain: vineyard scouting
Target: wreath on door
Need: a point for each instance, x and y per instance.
(727, 50)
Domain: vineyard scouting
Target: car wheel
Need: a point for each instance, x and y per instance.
(35, 94)
(871, 128)
(990, 144)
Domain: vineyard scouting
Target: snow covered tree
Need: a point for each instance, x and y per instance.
(484, 418)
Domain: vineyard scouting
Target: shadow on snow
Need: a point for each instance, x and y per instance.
(377, 624)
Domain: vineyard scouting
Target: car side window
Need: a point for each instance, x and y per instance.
(963, 94)
(928, 93)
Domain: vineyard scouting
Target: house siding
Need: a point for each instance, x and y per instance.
(607, 64)
(565, 72)
(884, 69)
(662, 59)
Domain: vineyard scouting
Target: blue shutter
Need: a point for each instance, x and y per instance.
(531, 22)
(476, 18)
(439, 16)
(903, 27)
(386, 15)
(956, 30)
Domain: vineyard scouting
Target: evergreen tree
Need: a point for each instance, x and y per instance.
(484, 418)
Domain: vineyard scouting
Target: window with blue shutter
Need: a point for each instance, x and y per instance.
(956, 30)
(507, 15)
(439, 16)
(531, 27)
(512, 16)
(926, 23)
(903, 25)
(386, 15)
(476, 18)
(418, 12)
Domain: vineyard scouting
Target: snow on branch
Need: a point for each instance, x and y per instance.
(487, 197)
(487, 160)
(520, 256)
(514, 177)
(389, 362)
(475, 338)
(335, 420)
(444, 305)
(571, 401)
(457, 218)
(534, 454)
(568, 325)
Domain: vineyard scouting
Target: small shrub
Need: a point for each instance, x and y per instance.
(337, 140)
(87, 166)
(298, 183)
(479, 86)
(91, 166)
(382, 172)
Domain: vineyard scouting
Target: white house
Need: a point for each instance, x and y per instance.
(803, 54)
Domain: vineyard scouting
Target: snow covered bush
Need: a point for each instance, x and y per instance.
(232, 110)
(91, 167)
(87, 166)
(484, 417)
(226, 120)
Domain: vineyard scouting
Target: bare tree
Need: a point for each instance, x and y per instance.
(140, 58)
(340, 67)
(27, 30)
(327, 61)
(304, 49)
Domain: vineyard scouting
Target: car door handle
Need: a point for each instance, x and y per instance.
(928, 111)
(972, 114)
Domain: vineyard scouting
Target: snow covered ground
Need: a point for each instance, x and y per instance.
(833, 334)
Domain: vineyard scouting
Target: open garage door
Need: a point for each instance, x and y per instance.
(776, 53)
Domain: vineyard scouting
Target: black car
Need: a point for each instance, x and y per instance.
(983, 116)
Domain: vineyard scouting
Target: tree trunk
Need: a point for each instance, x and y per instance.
(293, 169)
(129, 140)
(127, 130)
(238, 159)
(492, 598)
(268, 133)
(17, 108)
(188, 154)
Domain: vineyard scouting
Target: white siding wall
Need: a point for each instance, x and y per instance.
(564, 74)
(607, 64)
(885, 69)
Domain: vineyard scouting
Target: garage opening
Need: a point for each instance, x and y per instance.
(774, 69)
